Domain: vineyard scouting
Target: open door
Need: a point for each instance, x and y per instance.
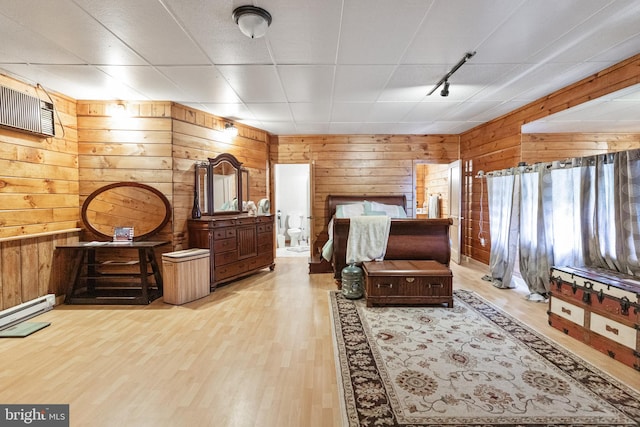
(455, 208)
(312, 233)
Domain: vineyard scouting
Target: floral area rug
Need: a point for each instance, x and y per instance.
(470, 365)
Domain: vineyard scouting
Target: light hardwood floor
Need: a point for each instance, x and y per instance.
(257, 352)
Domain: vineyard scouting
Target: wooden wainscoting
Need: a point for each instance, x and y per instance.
(31, 267)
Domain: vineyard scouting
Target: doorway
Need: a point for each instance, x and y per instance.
(439, 185)
(292, 209)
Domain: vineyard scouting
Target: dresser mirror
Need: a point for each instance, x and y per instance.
(126, 204)
(221, 186)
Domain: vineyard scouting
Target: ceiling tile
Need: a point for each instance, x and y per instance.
(339, 128)
(201, 84)
(306, 83)
(360, 83)
(331, 66)
(389, 111)
(593, 37)
(147, 81)
(231, 111)
(77, 81)
(309, 112)
(350, 111)
(211, 26)
(29, 47)
(96, 46)
(453, 28)
(271, 111)
(531, 28)
(254, 83)
(362, 39)
(148, 28)
(304, 33)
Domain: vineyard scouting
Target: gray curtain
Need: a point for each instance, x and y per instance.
(578, 212)
(617, 221)
(535, 200)
(503, 190)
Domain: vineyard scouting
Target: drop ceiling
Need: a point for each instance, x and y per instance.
(324, 67)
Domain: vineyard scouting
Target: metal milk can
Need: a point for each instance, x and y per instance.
(352, 281)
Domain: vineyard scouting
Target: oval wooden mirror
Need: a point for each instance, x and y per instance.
(126, 204)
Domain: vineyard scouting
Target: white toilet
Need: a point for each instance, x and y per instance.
(294, 230)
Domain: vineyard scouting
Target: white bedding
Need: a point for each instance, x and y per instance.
(360, 210)
(368, 237)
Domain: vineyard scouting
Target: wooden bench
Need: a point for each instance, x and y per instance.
(415, 282)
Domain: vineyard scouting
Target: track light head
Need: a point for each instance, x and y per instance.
(445, 89)
(445, 78)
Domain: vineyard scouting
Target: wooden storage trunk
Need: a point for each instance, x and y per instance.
(407, 282)
(600, 308)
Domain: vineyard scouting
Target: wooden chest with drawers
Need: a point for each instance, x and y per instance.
(239, 245)
(600, 308)
(415, 282)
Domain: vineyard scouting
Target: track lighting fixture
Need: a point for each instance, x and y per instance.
(445, 79)
(445, 89)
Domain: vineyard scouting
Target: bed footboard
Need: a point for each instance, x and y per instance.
(424, 239)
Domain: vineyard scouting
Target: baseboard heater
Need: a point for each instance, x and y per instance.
(19, 313)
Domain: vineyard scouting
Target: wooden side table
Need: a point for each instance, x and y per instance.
(114, 282)
(416, 282)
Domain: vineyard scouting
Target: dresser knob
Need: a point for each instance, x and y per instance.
(410, 279)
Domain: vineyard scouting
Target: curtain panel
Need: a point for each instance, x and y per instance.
(576, 212)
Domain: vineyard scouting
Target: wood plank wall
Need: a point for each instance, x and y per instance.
(436, 181)
(158, 143)
(198, 136)
(361, 164)
(38, 201)
(546, 147)
(133, 145)
(499, 144)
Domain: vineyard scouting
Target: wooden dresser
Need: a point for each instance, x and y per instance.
(239, 245)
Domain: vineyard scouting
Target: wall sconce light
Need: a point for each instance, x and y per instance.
(253, 21)
(230, 129)
(117, 110)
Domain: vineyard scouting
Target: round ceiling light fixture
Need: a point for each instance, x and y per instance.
(253, 21)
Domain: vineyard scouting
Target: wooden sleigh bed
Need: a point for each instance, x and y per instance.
(409, 238)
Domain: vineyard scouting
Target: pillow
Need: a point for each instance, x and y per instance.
(350, 210)
(394, 211)
(375, 213)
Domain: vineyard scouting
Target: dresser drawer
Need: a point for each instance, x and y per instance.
(224, 233)
(409, 286)
(265, 228)
(569, 311)
(222, 258)
(224, 245)
(614, 331)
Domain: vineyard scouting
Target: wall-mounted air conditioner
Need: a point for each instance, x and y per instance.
(26, 113)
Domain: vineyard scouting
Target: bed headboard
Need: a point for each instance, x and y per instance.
(335, 200)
